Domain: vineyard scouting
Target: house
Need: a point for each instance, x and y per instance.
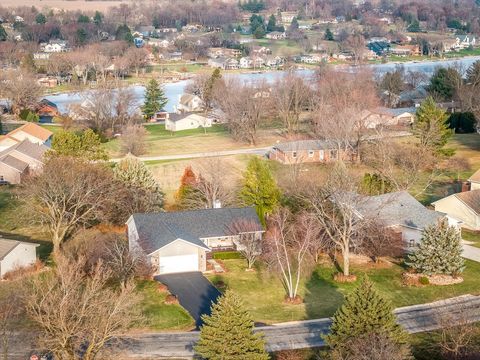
(159, 43)
(181, 241)
(383, 116)
(189, 103)
(464, 206)
(402, 213)
(185, 121)
(313, 58)
(405, 50)
(223, 63)
(216, 52)
(309, 151)
(47, 110)
(276, 35)
(175, 56)
(379, 47)
(274, 61)
(54, 46)
(146, 30)
(16, 254)
(286, 17)
(31, 131)
(474, 180)
(21, 160)
(245, 62)
(256, 50)
(464, 41)
(48, 81)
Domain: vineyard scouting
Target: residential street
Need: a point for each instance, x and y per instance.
(303, 334)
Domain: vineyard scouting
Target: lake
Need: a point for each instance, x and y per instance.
(174, 90)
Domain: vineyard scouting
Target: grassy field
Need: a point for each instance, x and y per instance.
(263, 295)
(471, 236)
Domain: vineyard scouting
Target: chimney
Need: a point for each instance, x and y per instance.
(217, 204)
(466, 186)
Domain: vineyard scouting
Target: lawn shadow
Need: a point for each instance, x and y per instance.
(322, 297)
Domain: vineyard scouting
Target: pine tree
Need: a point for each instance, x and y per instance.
(272, 23)
(259, 188)
(364, 311)
(3, 33)
(228, 333)
(40, 19)
(86, 145)
(439, 251)
(328, 35)
(431, 126)
(132, 171)
(155, 99)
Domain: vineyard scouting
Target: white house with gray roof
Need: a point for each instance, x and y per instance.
(403, 213)
(180, 241)
(16, 254)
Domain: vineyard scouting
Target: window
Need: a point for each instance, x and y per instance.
(310, 153)
(411, 243)
(322, 154)
(294, 154)
(333, 154)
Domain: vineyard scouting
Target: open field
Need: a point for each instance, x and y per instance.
(263, 294)
(64, 4)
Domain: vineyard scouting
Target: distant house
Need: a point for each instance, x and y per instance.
(274, 61)
(54, 46)
(47, 110)
(310, 151)
(464, 41)
(379, 47)
(313, 58)
(31, 131)
(189, 103)
(216, 52)
(223, 63)
(286, 17)
(186, 121)
(174, 56)
(475, 180)
(16, 254)
(405, 50)
(176, 242)
(276, 35)
(402, 213)
(464, 206)
(20, 160)
(159, 43)
(246, 62)
(146, 30)
(383, 116)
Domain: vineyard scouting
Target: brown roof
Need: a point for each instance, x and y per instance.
(471, 199)
(475, 177)
(14, 163)
(34, 130)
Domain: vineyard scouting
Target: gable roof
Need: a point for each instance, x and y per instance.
(186, 98)
(396, 111)
(156, 230)
(26, 147)
(33, 130)
(399, 208)
(475, 177)
(7, 245)
(301, 145)
(471, 199)
(174, 117)
(14, 163)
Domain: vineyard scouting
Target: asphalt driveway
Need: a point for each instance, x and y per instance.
(194, 292)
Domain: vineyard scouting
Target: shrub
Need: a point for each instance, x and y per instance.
(424, 280)
(462, 122)
(28, 115)
(227, 255)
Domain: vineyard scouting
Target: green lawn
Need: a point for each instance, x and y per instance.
(53, 128)
(160, 316)
(263, 295)
(473, 236)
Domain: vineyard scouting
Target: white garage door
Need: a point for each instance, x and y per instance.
(179, 263)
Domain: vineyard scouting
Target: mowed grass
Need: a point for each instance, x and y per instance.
(264, 294)
(163, 142)
(471, 236)
(158, 315)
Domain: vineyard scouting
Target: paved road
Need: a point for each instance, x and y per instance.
(253, 151)
(301, 334)
(194, 292)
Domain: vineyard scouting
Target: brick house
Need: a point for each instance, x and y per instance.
(310, 151)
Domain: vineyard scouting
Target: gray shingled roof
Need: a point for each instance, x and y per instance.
(34, 151)
(6, 246)
(301, 145)
(15, 163)
(399, 208)
(157, 230)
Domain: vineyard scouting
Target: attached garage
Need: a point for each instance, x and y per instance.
(180, 256)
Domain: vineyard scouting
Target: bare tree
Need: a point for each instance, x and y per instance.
(415, 78)
(356, 44)
(10, 311)
(78, 313)
(249, 240)
(380, 241)
(291, 96)
(68, 193)
(286, 247)
(136, 58)
(132, 140)
(21, 88)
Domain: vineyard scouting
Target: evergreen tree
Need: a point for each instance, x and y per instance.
(272, 23)
(364, 311)
(259, 188)
(473, 74)
(83, 19)
(294, 25)
(40, 19)
(228, 333)
(431, 125)
(439, 251)
(132, 171)
(328, 35)
(98, 17)
(444, 83)
(3, 33)
(376, 184)
(81, 36)
(123, 33)
(155, 99)
(86, 145)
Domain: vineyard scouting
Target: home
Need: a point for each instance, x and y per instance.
(310, 151)
(31, 131)
(177, 242)
(16, 254)
(286, 17)
(464, 206)
(146, 30)
(48, 81)
(20, 160)
(405, 50)
(379, 47)
(54, 46)
(186, 121)
(46, 110)
(274, 61)
(159, 43)
(383, 116)
(474, 180)
(189, 103)
(256, 50)
(464, 41)
(245, 62)
(223, 63)
(174, 56)
(276, 35)
(313, 58)
(402, 213)
(216, 52)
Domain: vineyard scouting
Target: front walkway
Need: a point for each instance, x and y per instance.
(471, 252)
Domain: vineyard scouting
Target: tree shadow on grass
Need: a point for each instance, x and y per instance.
(322, 297)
